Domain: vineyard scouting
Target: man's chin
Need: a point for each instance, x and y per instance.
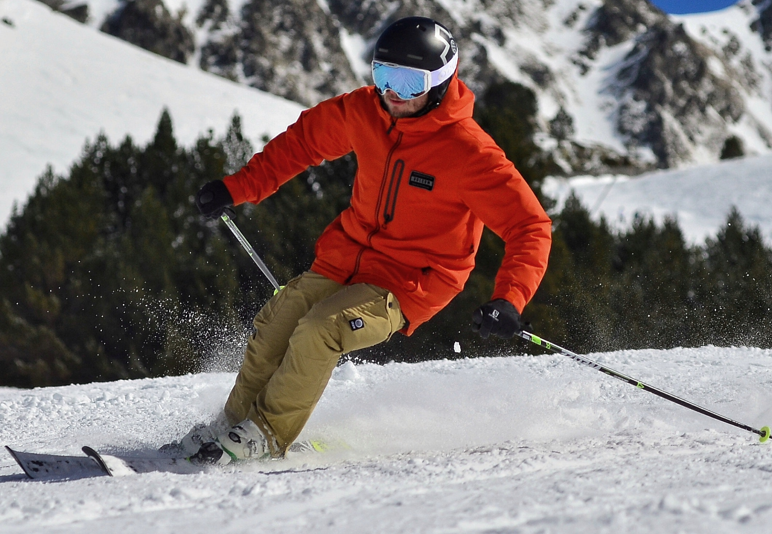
(399, 111)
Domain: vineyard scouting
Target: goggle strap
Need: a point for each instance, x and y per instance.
(443, 73)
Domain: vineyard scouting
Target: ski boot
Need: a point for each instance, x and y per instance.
(244, 441)
(198, 435)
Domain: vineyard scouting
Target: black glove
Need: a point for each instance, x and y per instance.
(213, 199)
(498, 317)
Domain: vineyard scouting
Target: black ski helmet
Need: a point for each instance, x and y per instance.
(421, 43)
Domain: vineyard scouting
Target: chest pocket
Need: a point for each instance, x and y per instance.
(416, 179)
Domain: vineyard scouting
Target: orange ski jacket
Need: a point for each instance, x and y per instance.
(424, 188)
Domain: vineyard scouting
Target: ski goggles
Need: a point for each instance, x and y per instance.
(408, 82)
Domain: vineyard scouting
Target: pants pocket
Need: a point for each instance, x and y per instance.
(370, 323)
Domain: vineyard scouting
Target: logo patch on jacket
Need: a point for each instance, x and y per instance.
(356, 324)
(424, 181)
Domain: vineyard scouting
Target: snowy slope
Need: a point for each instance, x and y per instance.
(699, 197)
(509, 444)
(61, 83)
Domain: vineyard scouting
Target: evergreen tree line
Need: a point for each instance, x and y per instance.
(109, 272)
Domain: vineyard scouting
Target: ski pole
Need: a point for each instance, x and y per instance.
(250, 250)
(763, 431)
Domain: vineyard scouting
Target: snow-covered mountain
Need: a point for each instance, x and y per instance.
(62, 83)
(666, 90)
(515, 444)
(700, 198)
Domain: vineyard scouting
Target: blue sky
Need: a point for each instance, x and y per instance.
(691, 6)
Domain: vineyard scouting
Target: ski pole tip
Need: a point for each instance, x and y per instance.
(764, 434)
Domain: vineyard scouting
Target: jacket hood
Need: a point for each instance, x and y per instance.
(457, 105)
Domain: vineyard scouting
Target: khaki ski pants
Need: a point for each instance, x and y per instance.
(300, 335)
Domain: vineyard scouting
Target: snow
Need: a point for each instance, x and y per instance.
(521, 444)
(700, 197)
(63, 83)
(99, 10)
(355, 48)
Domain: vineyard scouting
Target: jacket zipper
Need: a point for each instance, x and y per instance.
(391, 202)
(387, 216)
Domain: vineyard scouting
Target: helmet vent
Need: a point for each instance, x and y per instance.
(412, 56)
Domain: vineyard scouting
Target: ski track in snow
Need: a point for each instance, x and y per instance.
(505, 444)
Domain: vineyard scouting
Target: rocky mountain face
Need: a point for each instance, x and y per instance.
(669, 98)
(636, 84)
(150, 25)
(292, 49)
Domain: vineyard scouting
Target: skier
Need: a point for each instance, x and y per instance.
(428, 180)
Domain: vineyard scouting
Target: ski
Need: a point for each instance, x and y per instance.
(130, 465)
(40, 466)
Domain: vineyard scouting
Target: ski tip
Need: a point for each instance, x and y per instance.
(13, 453)
(764, 434)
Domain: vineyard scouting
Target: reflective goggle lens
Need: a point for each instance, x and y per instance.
(406, 82)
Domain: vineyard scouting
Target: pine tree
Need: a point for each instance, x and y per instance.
(655, 285)
(738, 296)
(562, 125)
